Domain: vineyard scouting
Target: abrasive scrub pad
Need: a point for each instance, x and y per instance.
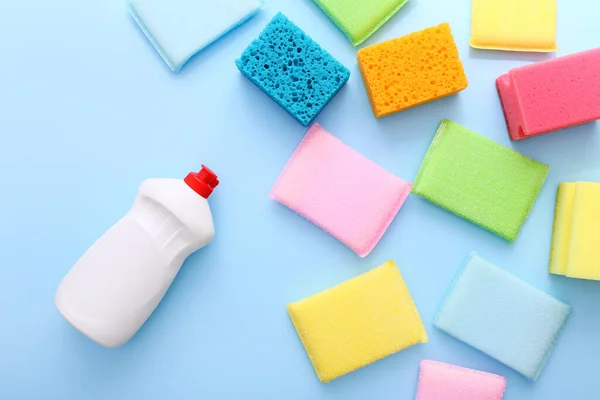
(479, 179)
(357, 322)
(521, 25)
(550, 95)
(575, 252)
(178, 29)
(292, 69)
(359, 19)
(411, 70)
(340, 190)
(502, 316)
(440, 381)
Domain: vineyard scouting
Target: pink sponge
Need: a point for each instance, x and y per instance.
(439, 381)
(551, 95)
(340, 190)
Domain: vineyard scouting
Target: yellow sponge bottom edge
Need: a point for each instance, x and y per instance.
(474, 44)
(357, 322)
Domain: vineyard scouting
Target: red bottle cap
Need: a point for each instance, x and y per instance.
(202, 182)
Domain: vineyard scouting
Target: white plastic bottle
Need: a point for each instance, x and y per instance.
(119, 281)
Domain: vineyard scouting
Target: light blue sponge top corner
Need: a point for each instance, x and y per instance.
(178, 29)
(291, 68)
(502, 316)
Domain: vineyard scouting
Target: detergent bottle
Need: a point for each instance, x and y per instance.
(117, 283)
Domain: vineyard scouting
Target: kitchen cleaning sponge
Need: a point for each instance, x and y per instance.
(550, 95)
(357, 322)
(561, 232)
(411, 70)
(502, 316)
(575, 252)
(340, 190)
(178, 29)
(286, 64)
(440, 381)
(480, 180)
(523, 25)
(359, 19)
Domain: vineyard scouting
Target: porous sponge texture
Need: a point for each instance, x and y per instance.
(523, 25)
(411, 70)
(575, 252)
(340, 190)
(359, 19)
(292, 69)
(357, 322)
(552, 94)
(440, 381)
(502, 316)
(480, 180)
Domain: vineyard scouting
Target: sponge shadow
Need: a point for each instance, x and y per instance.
(482, 54)
(419, 118)
(570, 150)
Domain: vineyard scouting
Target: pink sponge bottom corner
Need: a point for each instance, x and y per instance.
(549, 95)
(440, 381)
(340, 190)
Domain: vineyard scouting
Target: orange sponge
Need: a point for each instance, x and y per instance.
(411, 70)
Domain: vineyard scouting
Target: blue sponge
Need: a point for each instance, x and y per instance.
(502, 316)
(292, 69)
(178, 29)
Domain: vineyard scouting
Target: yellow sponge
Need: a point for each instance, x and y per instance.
(357, 322)
(561, 233)
(575, 252)
(523, 25)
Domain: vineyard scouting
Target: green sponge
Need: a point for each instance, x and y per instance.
(359, 19)
(479, 179)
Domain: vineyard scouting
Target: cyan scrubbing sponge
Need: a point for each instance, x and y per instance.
(357, 322)
(480, 180)
(178, 29)
(340, 190)
(359, 19)
(411, 70)
(440, 381)
(524, 25)
(552, 94)
(575, 252)
(502, 316)
(292, 69)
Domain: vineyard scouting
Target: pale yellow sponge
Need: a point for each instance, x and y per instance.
(575, 252)
(357, 322)
(561, 234)
(518, 25)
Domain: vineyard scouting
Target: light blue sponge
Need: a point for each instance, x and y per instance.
(292, 69)
(502, 316)
(178, 29)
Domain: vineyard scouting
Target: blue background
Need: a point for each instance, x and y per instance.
(88, 110)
